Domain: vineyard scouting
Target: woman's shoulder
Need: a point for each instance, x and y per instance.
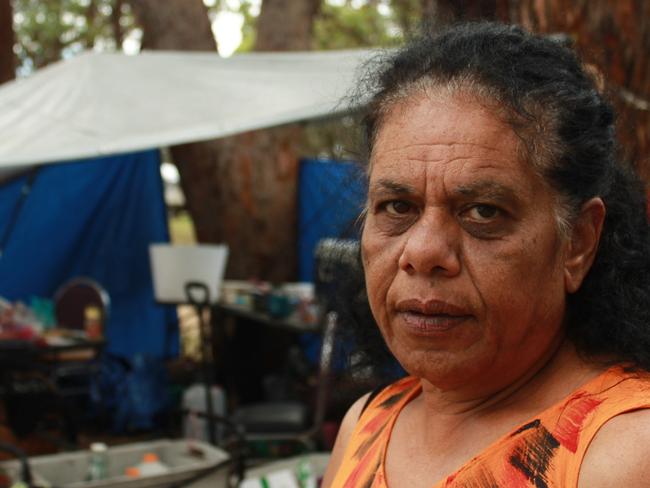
(603, 422)
(359, 413)
(613, 392)
(381, 399)
(617, 454)
(575, 420)
(342, 439)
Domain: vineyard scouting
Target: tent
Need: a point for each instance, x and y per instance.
(94, 219)
(96, 106)
(104, 104)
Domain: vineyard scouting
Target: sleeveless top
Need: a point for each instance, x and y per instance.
(545, 452)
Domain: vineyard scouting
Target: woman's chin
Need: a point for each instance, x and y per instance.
(445, 369)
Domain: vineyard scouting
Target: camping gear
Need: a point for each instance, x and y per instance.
(198, 295)
(195, 407)
(186, 460)
(292, 421)
(94, 219)
(58, 106)
(173, 266)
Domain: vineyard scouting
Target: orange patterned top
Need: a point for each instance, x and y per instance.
(545, 452)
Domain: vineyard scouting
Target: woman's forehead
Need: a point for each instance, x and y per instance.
(442, 130)
(428, 123)
(448, 102)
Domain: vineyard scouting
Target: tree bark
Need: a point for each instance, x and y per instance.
(181, 25)
(286, 25)
(612, 36)
(454, 10)
(118, 32)
(615, 37)
(239, 190)
(7, 56)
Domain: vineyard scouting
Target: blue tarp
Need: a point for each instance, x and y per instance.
(330, 199)
(93, 218)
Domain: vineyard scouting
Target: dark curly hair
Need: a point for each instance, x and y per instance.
(550, 99)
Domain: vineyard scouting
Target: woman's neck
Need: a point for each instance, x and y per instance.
(549, 380)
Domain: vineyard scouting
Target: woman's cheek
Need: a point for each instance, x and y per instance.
(380, 257)
(375, 255)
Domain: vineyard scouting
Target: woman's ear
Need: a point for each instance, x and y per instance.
(585, 236)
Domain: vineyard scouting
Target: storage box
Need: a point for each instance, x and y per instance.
(185, 459)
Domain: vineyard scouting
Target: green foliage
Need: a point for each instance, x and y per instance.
(381, 23)
(249, 27)
(48, 30)
(336, 138)
(407, 14)
(339, 24)
(347, 26)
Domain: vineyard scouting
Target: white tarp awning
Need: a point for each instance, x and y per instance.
(98, 104)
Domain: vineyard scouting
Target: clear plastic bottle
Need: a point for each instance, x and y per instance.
(98, 463)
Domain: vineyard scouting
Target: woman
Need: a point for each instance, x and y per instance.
(505, 252)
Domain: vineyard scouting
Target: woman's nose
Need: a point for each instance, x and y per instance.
(431, 247)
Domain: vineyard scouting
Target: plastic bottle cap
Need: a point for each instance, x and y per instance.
(132, 472)
(150, 457)
(98, 447)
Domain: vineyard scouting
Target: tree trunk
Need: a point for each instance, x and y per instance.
(286, 25)
(615, 37)
(181, 25)
(7, 56)
(118, 31)
(453, 10)
(240, 190)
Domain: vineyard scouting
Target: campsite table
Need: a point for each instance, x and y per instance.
(291, 323)
(29, 369)
(18, 355)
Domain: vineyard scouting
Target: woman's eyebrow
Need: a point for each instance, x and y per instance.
(486, 189)
(391, 187)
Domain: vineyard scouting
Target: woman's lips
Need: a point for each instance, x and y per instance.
(431, 316)
(423, 324)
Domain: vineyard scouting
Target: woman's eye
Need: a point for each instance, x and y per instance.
(483, 212)
(397, 207)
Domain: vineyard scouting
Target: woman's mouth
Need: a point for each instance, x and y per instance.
(432, 316)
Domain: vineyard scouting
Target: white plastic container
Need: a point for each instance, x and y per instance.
(149, 466)
(173, 266)
(194, 401)
(185, 459)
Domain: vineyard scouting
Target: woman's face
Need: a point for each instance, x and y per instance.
(462, 256)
